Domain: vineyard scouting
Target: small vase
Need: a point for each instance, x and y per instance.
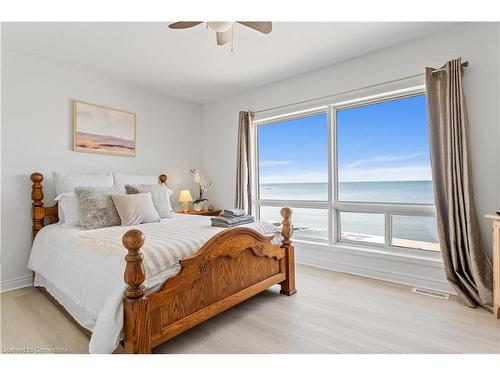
(197, 207)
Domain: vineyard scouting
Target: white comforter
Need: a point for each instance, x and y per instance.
(84, 269)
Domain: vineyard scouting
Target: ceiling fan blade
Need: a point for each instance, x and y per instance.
(223, 37)
(263, 27)
(184, 25)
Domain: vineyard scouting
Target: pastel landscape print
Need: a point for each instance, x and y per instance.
(103, 130)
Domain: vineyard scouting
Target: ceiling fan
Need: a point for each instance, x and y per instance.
(224, 30)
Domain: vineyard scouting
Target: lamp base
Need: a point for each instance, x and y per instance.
(185, 207)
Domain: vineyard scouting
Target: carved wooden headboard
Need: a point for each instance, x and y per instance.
(41, 214)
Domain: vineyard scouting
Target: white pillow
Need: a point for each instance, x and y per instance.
(134, 179)
(135, 209)
(160, 195)
(169, 193)
(68, 209)
(66, 183)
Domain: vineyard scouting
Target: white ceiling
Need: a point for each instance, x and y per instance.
(188, 64)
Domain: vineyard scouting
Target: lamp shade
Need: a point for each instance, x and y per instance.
(185, 196)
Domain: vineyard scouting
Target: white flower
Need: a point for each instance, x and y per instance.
(205, 185)
(197, 177)
(200, 180)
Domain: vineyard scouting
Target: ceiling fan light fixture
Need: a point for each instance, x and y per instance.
(220, 26)
(224, 29)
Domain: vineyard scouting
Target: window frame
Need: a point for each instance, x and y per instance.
(333, 205)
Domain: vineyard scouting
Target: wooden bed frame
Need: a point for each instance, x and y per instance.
(231, 267)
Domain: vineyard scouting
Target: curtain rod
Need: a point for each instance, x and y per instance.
(464, 64)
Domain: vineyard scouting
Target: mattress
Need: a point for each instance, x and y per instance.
(83, 269)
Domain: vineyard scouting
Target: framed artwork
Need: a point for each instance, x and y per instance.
(103, 130)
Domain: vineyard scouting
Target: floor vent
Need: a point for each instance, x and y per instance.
(431, 293)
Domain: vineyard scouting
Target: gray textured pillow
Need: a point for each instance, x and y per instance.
(160, 195)
(97, 209)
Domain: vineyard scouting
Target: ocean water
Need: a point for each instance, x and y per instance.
(379, 192)
(408, 231)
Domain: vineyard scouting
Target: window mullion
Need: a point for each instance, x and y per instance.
(387, 229)
(332, 173)
(255, 170)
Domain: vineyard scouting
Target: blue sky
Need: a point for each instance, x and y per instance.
(381, 142)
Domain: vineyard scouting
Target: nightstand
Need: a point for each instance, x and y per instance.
(200, 213)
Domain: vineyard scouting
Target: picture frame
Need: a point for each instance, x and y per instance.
(104, 130)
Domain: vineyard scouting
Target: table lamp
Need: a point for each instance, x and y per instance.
(185, 197)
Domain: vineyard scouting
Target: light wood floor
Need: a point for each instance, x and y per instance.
(331, 313)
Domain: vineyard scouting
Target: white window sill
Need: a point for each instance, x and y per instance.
(401, 254)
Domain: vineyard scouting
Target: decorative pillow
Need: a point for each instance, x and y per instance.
(160, 195)
(66, 183)
(135, 209)
(68, 209)
(60, 210)
(132, 179)
(97, 209)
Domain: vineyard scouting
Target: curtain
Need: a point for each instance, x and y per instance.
(466, 263)
(243, 172)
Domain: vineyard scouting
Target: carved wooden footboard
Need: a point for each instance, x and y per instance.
(231, 267)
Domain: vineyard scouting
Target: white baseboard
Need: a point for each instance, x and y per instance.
(16, 283)
(401, 269)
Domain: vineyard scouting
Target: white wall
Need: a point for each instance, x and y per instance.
(37, 135)
(477, 43)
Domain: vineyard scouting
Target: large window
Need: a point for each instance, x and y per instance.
(356, 173)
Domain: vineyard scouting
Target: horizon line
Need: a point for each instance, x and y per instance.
(326, 182)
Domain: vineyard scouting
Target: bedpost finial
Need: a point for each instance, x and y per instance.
(286, 212)
(134, 271)
(36, 177)
(36, 190)
(286, 226)
(163, 178)
(37, 210)
(133, 239)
